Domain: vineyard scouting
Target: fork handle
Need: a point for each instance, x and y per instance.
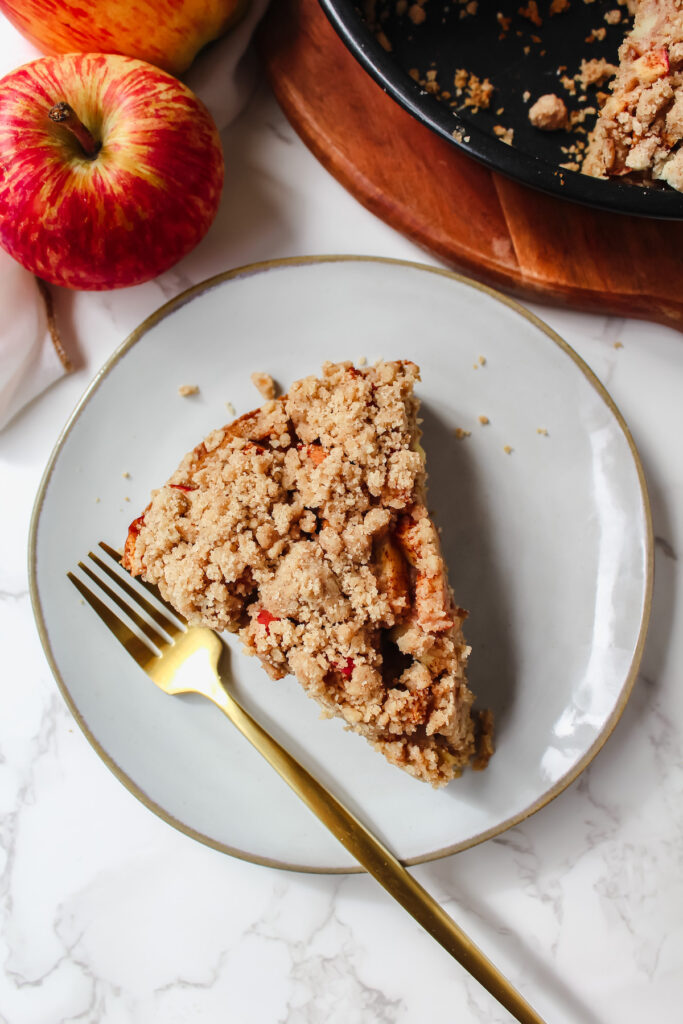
(379, 862)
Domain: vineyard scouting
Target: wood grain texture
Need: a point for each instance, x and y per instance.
(474, 219)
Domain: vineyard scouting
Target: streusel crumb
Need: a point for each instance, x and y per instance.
(639, 132)
(548, 113)
(302, 526)
(505, 135)
(264, 384)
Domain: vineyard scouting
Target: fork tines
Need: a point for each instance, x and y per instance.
(131, 600)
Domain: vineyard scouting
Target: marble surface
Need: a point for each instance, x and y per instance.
(109, 916)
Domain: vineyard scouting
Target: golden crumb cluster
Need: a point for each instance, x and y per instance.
(302, 526)
(640, 127)
(548, 113)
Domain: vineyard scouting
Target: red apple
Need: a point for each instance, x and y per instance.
(110, 169)
(164, 32)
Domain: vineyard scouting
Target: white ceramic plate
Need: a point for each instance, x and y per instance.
(549, 546)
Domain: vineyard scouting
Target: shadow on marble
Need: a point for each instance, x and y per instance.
(252, 222)
(544, 988)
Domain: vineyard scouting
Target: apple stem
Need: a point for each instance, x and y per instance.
(65, 115)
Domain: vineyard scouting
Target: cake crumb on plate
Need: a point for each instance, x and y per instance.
(188, 389)
(264, 384)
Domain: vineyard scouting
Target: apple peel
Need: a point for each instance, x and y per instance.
(168, 33)
(118, 210)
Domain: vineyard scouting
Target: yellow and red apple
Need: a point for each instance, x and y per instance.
(168, 33)
(110, 169)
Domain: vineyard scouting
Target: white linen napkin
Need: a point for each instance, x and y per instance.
(31, 354)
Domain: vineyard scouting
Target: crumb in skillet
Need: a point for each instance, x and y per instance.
(478, 92)
(595, 72)
(549, 113)
(505, 135)
(531, 12)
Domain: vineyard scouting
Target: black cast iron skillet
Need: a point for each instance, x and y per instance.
(445, 41)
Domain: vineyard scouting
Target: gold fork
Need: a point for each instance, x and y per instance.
(180, 643)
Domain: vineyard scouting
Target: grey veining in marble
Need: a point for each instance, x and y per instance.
(109, 916)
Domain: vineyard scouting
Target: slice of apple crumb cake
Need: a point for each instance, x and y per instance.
(302, 526)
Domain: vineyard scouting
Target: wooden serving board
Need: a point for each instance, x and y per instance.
(476, 220)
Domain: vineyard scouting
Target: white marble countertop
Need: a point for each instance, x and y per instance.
(108, 915)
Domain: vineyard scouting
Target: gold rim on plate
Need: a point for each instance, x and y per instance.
(256, 268)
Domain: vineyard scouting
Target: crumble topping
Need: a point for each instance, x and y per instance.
(640, 127)
(302, 526)
(595, 72)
